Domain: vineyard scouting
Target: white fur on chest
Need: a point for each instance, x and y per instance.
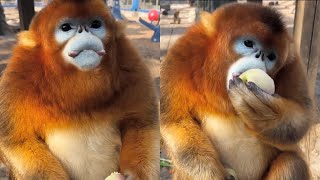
(238, 149)
(87, 154)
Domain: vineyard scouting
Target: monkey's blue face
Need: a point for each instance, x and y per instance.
(249, 46)
(253, 55)
(83, 41)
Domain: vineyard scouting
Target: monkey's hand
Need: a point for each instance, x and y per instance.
(274, 119)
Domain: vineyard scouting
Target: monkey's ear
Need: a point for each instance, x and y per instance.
(207, 20)
(27, 39)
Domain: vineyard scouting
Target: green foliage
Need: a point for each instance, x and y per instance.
(165, 163)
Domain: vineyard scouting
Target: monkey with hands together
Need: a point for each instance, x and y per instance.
(77, 102)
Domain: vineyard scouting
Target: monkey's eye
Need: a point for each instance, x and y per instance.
(96, 24)
(65, 27)
(248, 43)
(271, 56)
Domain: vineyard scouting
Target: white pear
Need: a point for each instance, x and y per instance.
(115, 176)
(260, 78)
(232, 173)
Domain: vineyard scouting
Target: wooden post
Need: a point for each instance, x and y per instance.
(26, 12)
(307, 38)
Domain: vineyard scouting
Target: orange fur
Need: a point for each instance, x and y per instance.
(199, 115)
(42, 96)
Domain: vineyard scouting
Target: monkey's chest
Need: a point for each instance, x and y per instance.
(238, 150)
(87, 154)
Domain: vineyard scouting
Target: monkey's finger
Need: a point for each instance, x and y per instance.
(259, 93)
(236, 84)
(239, 93)
(256, 104)
(237, 81)
(241, 88)
(237, 90)
(264, 97)
(254, 88)
(231, 84)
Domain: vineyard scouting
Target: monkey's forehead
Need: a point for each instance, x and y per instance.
(78, 20)
(79, 9)
(249, 13)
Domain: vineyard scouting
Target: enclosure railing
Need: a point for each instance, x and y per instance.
(139, 5)
(134, 5)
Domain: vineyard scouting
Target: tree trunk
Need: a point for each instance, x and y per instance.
(26, 12)
(255, 1)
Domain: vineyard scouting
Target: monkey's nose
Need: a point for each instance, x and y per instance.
(81, 28)
(260, 54)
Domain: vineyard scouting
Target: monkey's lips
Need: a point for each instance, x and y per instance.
(86, 59)
(74, 54)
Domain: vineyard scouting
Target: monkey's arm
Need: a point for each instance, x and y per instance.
(24, 151)
(139, 157)
(190, 149)
(280, 119)
(29, 158)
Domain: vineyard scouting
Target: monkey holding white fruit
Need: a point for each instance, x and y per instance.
(260, 78)
(234, 98)
(115, 176)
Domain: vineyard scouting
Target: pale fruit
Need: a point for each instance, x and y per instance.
(115, 176)
(260, 78)
(232, 173)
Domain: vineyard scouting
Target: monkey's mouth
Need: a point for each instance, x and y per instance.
(74, 54)
(86, 59)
